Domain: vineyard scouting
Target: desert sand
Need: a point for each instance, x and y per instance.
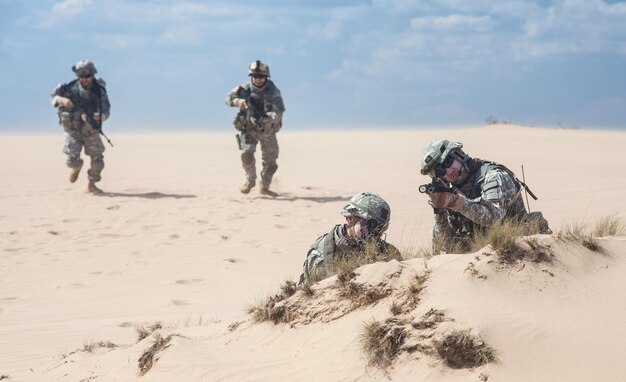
(173, 240)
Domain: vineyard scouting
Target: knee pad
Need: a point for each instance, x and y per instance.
(97, 164)
(271, 169)
(247, 158)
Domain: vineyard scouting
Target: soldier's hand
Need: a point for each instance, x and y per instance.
(83, 117)
(241, 104)
(454, 202)
(271, 115)
(96, 116)
(65, 102)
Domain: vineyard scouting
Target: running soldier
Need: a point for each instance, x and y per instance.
(260, 115)
(83, 105)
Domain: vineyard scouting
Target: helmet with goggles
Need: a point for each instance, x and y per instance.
(436, 157)
(84, 68)
(258, 68)
(371, 207)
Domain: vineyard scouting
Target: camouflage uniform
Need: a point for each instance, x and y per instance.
(492, 194)
(335, 245)
(79, 134)
(367, 209)
(269, 98)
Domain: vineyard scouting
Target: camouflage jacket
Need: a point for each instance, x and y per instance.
(492, 194)
(267, 98)
(333, 246)
(88, 101)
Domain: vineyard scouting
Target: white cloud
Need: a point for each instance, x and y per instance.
(64, 11)
(455, 21)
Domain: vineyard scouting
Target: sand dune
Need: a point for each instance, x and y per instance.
(172, 240)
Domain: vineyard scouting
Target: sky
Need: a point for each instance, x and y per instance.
(169, 65)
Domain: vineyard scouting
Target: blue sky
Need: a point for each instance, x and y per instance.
(169, 64)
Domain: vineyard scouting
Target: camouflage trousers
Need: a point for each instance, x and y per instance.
(269, 154)
(80, 135)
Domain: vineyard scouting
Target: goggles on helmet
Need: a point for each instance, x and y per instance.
(440, 169)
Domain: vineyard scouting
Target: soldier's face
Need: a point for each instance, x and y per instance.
(258, 81)
(454, 173)
(85, 79)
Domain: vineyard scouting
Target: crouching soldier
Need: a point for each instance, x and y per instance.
(367, 218)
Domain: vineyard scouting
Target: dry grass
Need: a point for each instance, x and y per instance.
(361, 294)
(370, 253)
(460, 349)
(147, 359)
(92, 345)
(381, 342)
(268, 310)
(395, 308)
(587, 235)
(145, 331)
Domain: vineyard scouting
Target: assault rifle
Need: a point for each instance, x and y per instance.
(255, 114)
(435, 186)
(82, 107)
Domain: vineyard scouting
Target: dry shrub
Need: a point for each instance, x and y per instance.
(147, 359)
(395, 308)
(4, 376)
(381, 342)
(460, 349)
(145, 331)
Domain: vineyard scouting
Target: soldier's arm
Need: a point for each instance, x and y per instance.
(234, 96)
(59, 97)
(104, 100)
(498, 193)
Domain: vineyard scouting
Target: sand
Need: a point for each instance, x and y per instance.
(173, 240)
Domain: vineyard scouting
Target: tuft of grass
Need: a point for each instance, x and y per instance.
(147, 359)
(502, 238)
(307, 288)
(608, 226)
(587, 236)
(395, 308)
(4, 376)
(145, 331)
(460, 349)
(91, 345)
(370, 253)
(269, 310)
(361, 295)
(381, 342)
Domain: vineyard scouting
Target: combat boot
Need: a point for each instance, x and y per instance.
(266, 191)
(247, 186)
(75, 172)
(91, 187)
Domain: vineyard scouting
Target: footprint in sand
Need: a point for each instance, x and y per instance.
(126, 324)
(189, 282)
(181, 302)
(113, 207)
(279, 226)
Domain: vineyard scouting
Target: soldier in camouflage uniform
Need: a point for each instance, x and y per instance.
(367, 218)
(259, 119)
(485, 193)
(79, 102)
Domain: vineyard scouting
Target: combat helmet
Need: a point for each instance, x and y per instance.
(371, 207)
(435, 153)
(259, 68)
(84, 67)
